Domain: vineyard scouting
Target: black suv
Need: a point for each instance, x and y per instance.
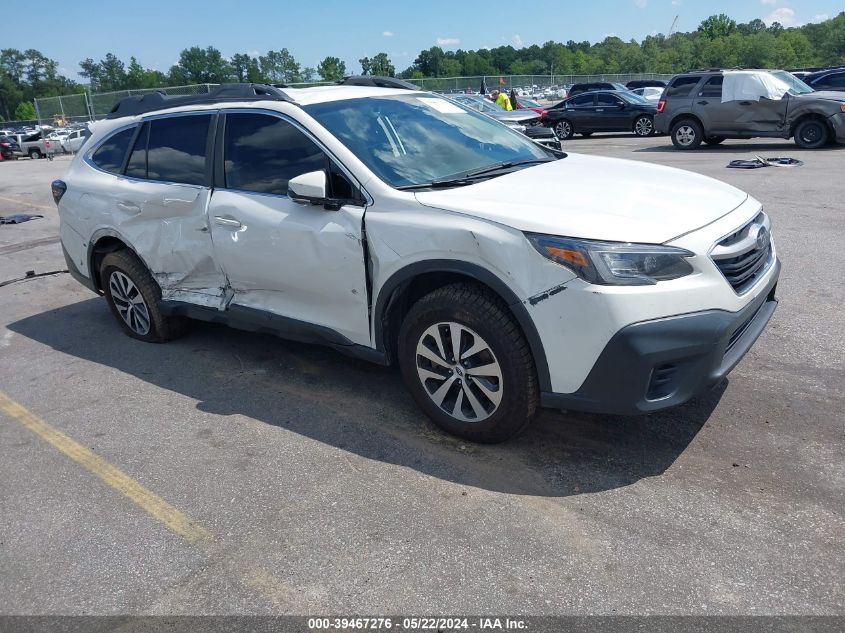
(829, 79)
(711, 105)
(578, 89)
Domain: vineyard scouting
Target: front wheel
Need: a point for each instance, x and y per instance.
(687, 134)
(564, 130)
(34, 153)
(811, 134)
(467, 364)
(133, 296)
(644, 126)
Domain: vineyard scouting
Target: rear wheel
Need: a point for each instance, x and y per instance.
(811, 134)
(687, 134)
(467, 364)
(133, 296)
(644, 126)
(714, 140)
(564, 130)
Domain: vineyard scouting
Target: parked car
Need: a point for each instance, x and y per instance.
(524, 103)
(74, 140)
(35, 145)
(710, 106)
(9, 147)
(645, 83)
(830, 79)
(401, 228)
(604, 111)
(525, 121)
(649, 93)
(578, 89)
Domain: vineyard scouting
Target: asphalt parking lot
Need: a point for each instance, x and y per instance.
(235, 473)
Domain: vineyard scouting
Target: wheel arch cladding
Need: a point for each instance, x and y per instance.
(414, 281)
(686, 115)
(102, 243)
(811, 116)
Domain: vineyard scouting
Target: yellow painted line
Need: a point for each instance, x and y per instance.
(114, 477)
(30, 204)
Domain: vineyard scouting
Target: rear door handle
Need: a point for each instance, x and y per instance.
(231, 223)
(128, 207)
(745, 103)
(703, 102)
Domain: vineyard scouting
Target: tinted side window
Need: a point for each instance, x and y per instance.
(836, 80)
(681, 86)
(262, 153)
(607, 100)
(176, 149)
(713, 87)
(137, 165)
(109, 156)
(583, 100)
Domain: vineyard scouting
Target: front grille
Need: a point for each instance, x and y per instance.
(743, 258)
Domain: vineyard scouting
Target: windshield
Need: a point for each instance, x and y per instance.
(796, 86)
(421, 138)
(633, 98)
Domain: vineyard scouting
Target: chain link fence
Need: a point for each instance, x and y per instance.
(89, 106)
(526, 82)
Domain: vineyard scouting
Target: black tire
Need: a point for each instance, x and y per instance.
(585, 134)
(34, 153)
(161, 328)
(564, 129)
(644, 126)
(477, 308)
(687, 134)
(812, 134)
(714, 140)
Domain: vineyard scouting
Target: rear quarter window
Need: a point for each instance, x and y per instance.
(681, 86)
(176, 149)
(109, 156)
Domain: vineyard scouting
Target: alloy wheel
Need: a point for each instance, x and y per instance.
(130, 303)
(685, 135)
(563, 129)
(459, 371)
(644, 126)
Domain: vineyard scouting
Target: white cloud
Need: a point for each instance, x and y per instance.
(517, 41)
(606, 35)
(448, 41)
(387, 33)
(676, 3)
(784, 15)
(640, 4)
(821, 17)
(768, 1)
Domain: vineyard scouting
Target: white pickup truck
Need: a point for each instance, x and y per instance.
(36, 146)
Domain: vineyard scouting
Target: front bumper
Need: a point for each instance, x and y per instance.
(837, 121)
(543, 135)
(654, 365)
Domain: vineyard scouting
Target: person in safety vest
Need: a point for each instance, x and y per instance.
(501, 100)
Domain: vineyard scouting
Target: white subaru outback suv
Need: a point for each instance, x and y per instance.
(398, 226)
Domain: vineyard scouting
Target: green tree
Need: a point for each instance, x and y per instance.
(279, 67)
(717, 26)
(201, 65)
(331, 69)
(25, 111)
(240, 66)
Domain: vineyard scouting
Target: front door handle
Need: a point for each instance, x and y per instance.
(745, 103)
(231, 223)
(703, 102)
(128, 207)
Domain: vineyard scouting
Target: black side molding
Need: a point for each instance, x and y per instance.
(253, 320)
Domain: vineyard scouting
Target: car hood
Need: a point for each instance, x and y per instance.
(516, 116)
(829, 95)
(595, 198)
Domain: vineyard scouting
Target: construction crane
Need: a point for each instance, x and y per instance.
(672, 28)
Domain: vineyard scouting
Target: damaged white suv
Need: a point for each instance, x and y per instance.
(398, 226)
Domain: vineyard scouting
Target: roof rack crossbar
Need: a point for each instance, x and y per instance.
(153, 101)
(377, 81)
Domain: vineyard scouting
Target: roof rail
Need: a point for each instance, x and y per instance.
(377, 81)
(150, 102)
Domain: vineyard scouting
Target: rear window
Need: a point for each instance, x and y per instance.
(176, 149)
(682, 86)
(109, 156)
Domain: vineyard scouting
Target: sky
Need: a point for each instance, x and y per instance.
(155, 31)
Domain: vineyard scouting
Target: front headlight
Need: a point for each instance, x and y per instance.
(614, 263)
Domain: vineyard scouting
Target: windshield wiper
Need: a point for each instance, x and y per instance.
(507, 165)
(438, 184)
(472, 177)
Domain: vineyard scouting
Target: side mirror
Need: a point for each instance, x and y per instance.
(622, 106)
(309, 188)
